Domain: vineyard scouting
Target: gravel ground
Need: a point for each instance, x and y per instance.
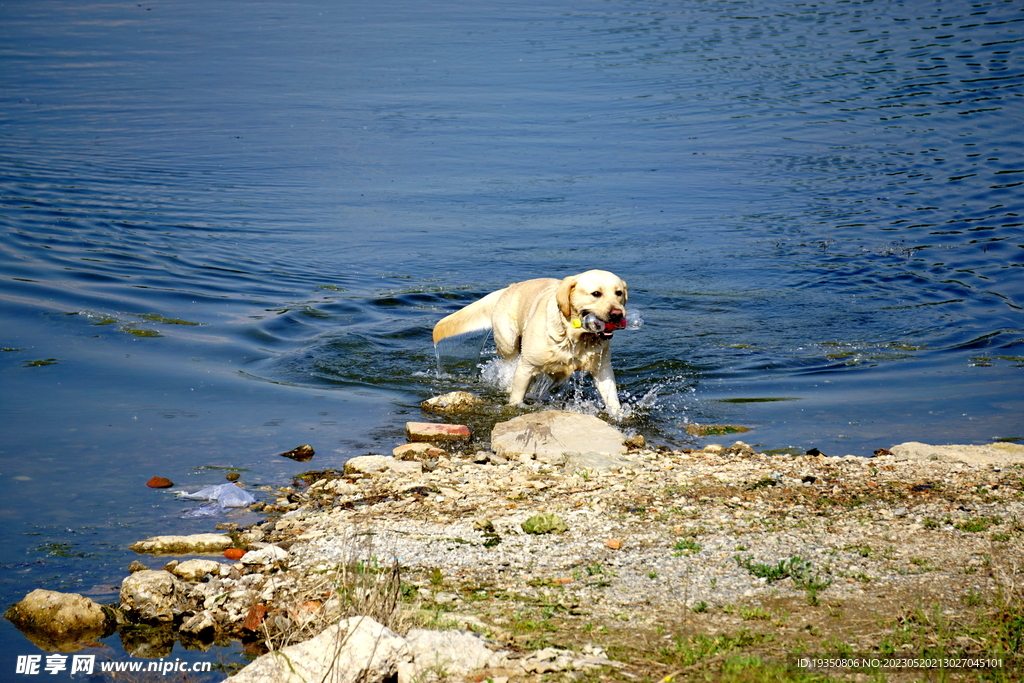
(676, 536)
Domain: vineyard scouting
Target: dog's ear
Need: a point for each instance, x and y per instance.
(625, 291)
(564, 294)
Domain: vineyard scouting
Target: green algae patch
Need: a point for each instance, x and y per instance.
(154, 318)
(40, 363)
(714, 430)
(141, 332)
(546, 523)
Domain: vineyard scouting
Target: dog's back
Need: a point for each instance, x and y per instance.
(517, 301)
(475, 317)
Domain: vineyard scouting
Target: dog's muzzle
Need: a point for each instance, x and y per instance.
(603, 329)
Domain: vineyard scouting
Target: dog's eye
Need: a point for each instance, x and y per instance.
(618, 292)
(596, 295)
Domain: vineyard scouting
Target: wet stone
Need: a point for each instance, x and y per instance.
(180, 545)
(55, 621)
(300, 454)
(420, 452)
(453, 402)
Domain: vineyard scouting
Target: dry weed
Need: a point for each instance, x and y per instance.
(361, 584)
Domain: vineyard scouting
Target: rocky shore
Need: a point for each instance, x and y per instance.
(630, 562)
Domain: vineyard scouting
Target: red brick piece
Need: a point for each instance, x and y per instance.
(431, 431)
(254, 618)
(159, 483)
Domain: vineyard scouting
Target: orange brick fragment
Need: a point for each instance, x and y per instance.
(432, 431)
(254, 618)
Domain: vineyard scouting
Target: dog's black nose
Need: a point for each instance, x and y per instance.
(615, 315)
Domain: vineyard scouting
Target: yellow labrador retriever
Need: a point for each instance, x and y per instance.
(549, 326)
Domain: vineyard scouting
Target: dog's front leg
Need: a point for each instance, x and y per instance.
(520, 382)
(604, 378)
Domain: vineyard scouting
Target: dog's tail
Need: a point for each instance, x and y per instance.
(475, 317)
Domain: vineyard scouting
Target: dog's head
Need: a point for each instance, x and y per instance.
(596, 292)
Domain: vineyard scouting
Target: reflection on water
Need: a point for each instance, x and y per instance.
(229, 229)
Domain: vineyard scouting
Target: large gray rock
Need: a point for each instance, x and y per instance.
(550, 435)
(61, 622)
(447, 653)
(990, 454)
(354, 649)
(154, 595)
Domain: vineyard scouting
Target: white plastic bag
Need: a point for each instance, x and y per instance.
(221, 497)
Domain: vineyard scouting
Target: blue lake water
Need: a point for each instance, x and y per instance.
(816, 203)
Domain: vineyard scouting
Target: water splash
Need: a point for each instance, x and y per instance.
(497, 373)
(634, 320)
